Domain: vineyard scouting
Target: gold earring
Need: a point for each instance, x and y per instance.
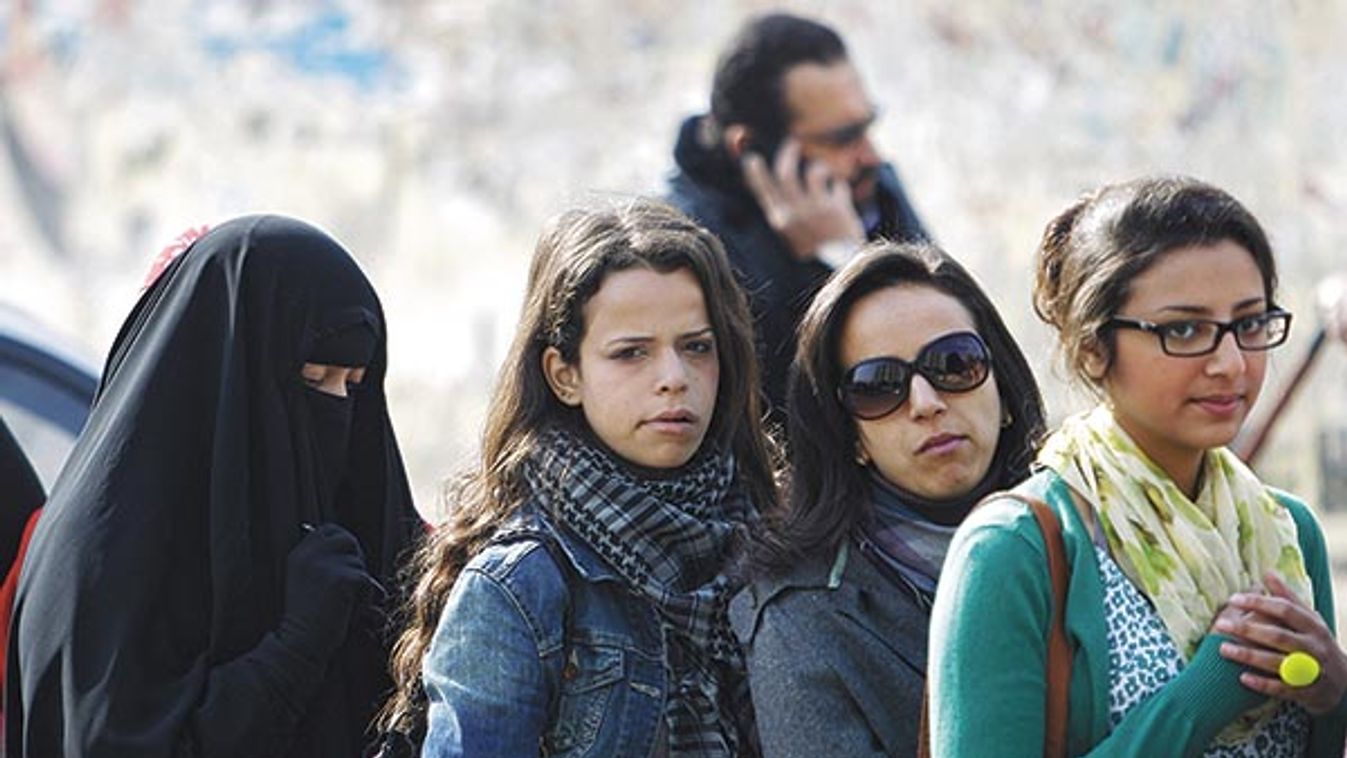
(1007, 419)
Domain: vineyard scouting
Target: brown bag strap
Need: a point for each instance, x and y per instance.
(1059, 650)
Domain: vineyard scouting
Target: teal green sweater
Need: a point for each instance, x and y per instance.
(988, 646)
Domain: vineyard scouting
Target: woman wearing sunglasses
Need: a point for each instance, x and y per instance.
(909, 401)
(1199, 607)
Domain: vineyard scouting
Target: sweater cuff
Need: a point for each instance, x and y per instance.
(1211, 691)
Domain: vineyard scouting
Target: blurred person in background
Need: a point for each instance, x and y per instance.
(1190, 582)
(205, 578)
(909, 402)
(574, 601)
(783, 170)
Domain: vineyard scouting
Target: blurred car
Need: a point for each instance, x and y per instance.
(46, 387)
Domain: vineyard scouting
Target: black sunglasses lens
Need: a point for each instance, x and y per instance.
(955, 363)
(874, 388)
(848, 135)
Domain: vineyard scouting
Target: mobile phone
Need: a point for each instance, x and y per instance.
(768, 144)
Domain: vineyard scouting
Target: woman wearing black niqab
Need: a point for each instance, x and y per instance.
(204, 580)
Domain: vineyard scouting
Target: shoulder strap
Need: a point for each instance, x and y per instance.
(1059, 650)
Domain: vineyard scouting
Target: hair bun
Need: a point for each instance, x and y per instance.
(1050, 260)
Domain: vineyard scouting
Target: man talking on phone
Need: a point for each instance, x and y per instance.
(783, 170)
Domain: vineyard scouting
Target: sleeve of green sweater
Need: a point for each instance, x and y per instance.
(1329, 730)
(988, 660)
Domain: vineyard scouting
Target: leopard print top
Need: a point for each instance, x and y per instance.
(1142, 658)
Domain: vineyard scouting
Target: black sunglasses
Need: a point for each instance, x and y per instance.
(876, 387)
(843, 136)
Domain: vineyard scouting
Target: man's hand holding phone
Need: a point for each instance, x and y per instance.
(812, 209)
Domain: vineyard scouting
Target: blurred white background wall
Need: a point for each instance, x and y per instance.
(433, 138)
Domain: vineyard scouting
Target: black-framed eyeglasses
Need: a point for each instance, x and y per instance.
(843, 136)
(876, 387)
(1192, 337)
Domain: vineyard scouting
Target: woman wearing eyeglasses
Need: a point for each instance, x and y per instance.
(909, 401)
(1198, 608)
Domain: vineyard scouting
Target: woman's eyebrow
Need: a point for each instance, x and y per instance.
(1202, 310)
(628, 339)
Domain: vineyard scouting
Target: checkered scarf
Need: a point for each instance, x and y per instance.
(671, 540)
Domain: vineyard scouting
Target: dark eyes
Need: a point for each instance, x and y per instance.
(699, 346)
(1251, 324)
(1202, 329)
(317, 381)
(1182, 330)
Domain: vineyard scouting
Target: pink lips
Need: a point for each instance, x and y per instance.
(676, 420)
(1220, 405)
(941, 444)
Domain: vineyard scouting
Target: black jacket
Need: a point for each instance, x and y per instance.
(708, 186)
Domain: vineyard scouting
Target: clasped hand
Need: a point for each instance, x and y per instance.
(1265, 628)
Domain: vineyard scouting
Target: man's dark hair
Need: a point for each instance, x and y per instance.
(747, 88)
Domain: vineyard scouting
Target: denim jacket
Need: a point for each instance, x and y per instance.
(543, 650)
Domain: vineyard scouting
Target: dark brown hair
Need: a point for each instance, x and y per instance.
(828, 489)
(748, 87)
(1091, 252)
(576, 251)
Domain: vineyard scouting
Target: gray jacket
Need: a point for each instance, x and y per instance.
(836, 659)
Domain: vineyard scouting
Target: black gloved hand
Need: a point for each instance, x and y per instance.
(325, 580)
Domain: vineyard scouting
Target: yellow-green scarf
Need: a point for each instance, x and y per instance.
(1187, 557)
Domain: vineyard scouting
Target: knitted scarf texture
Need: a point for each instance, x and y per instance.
(671, 538)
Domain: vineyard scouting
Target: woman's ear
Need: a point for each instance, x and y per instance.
(1094, 360)
(862, 456)
(562, 377)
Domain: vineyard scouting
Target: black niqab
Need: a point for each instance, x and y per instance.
(157, 570)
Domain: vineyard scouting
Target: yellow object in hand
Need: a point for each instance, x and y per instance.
(1299, 669)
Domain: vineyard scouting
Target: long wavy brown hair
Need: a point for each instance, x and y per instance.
(575, 252)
